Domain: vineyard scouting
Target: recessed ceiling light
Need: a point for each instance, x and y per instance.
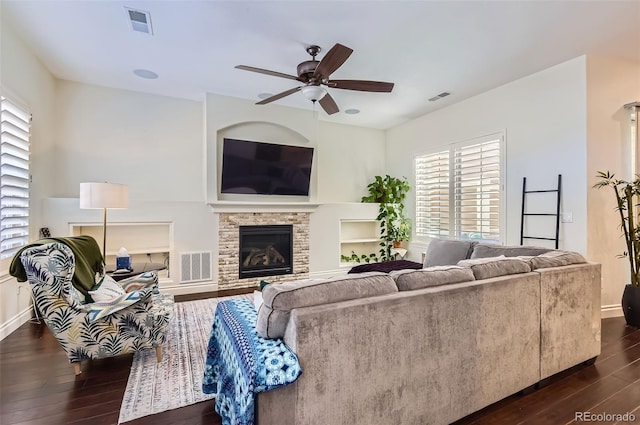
(352, 111)
(264, 95)
(145, 73)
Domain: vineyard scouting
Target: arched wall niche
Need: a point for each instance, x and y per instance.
(261, 131)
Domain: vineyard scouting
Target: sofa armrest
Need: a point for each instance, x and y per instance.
(570, 316)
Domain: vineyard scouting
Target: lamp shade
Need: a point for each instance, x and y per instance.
(313, 93)
(103, 195)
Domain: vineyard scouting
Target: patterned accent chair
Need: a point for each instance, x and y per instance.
(93, 331)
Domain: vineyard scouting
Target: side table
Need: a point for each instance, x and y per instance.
(398, 252)
(137, 268)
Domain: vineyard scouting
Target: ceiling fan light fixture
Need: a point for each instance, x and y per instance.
(313, 93)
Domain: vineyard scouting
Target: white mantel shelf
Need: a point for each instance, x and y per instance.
(258, 207)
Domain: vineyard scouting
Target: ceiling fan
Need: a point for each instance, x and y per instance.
(315, 74)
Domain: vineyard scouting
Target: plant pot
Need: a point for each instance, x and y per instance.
(631, 305)
(397, 244)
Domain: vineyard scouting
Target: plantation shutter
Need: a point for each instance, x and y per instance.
(477, 190)
(459, 190)
(432, 195)
(14, 177)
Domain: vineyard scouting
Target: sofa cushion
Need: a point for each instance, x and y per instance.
(408, 280)
(556, 258)
(447, 252)
(280, 299)
(485, 250)
(485, 268)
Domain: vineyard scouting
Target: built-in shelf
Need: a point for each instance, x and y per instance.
(361, 237)
(144, 241)
(361, 240)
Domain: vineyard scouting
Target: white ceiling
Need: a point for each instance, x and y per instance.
(424, 47)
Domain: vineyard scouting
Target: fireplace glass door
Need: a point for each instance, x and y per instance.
(266, 250)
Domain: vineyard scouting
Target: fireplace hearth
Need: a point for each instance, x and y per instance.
(265, 250)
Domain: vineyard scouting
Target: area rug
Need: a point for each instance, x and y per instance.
(176, 381)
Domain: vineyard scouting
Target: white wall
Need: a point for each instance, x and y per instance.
(152, 143)
(544, 117)
(25, 79)
(346, 160)
(611, 83)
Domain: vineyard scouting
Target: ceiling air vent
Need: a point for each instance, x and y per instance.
(439, 96)
(139, 20)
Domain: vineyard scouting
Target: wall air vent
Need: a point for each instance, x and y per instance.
(195, 266)
(439, 96)
(139, 20)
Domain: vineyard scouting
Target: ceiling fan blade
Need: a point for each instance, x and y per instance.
(266, 71)
(328, 104)
(332, 61)
(361, 85)
(278, 96)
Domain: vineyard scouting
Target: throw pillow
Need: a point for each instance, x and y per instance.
(447, 252)
(264, 283)
(99, 310)
(141, 281)
(257, 300)
(106, 290)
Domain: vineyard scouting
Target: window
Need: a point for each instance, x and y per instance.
(459, 190)
(14, 177)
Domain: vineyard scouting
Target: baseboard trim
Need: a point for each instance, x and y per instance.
(15, 322)
(189, 288)
(608, 311)
(328, 273)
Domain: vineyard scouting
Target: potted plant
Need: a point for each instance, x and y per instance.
(628, 198)
(390, 192)
(399, 231)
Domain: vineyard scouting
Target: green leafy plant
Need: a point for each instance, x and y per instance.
(390, 193)
(400, 230)
(627, 197)
(355, 258)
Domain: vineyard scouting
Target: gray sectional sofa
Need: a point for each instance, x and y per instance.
(430, 346)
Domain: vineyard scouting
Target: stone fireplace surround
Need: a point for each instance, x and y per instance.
(228, 251)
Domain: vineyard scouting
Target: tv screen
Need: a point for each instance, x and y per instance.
(265, 168)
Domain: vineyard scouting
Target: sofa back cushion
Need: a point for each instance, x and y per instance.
(447, 252)
(486, 268)
(409, 280)
(279, 299)
(485, 250)
(556, 258)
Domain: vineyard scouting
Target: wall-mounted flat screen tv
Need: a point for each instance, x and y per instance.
(265, 168)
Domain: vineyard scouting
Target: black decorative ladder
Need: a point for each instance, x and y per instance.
(525, 192)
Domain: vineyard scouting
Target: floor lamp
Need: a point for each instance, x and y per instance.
(103, 196)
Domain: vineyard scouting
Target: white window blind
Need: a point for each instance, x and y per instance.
(15, 124)
(432, 195)
(458, 191)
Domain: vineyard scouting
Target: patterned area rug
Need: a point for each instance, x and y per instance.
(176, 381)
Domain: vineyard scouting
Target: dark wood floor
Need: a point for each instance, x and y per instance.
(38, 386)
